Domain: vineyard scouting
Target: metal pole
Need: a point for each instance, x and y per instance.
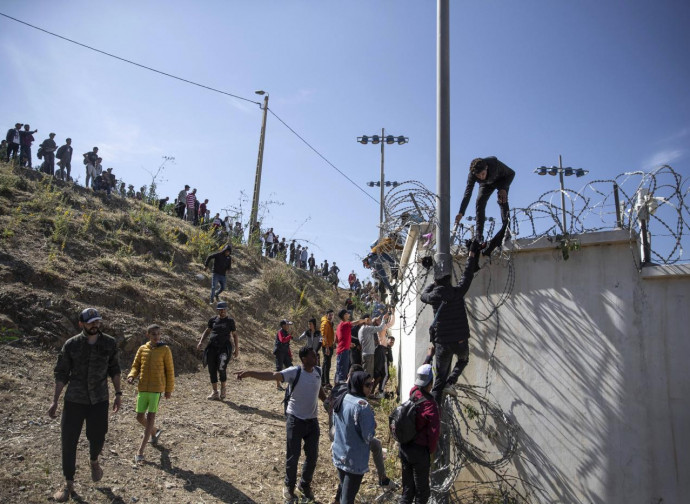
(443, 258)
(616, 201)
(253, 224)
(560, 173)
(383, 180)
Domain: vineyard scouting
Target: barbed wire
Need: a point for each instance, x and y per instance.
(470, 421)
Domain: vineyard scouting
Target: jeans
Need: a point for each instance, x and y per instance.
(90, 175)
(49, 163)
(25, 155)
(326, 375)
(73, 417)
(12, 150)
(297, 430)
(217, 279)
(348, 487)
(416, 462)
(442, 362)
(65, 170)
(376, 262)
(342, 366)
(483, 195)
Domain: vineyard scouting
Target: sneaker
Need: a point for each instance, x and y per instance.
(450, 390)
(213, 396)
(96, 471)
(64, 493)
(305, 490)
(156, 436)
(289, 494)
(280, 388)
(138, 459)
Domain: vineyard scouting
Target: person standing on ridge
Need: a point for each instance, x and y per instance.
(48, 148)
(64, 154)
(13, 141)
(491, 175)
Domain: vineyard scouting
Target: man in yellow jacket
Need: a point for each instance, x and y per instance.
(153, 365)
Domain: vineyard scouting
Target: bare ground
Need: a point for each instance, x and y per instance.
(232, 451)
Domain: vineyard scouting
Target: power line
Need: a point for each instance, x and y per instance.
(322, 156)
(194, 84)
(130, 61)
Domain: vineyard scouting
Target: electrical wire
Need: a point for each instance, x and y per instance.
(130, 61)
(209, 88)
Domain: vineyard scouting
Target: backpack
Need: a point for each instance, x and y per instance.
(402, 421)
(291, 387)
(39, 153)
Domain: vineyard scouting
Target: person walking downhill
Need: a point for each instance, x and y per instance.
(153, 365)
(355, 427)
(327, 342)
(220, 349)
(84, 364)
(301, 423)
(415, 456)
(281, 349)
(222, 263)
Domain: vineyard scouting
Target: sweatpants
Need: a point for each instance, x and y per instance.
(73, 417)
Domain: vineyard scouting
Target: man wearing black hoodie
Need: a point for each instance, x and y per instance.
(221, 265)
(451, 332)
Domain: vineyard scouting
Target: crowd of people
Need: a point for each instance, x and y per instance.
(363, 356)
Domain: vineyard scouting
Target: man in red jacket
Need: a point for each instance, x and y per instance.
(415, 456)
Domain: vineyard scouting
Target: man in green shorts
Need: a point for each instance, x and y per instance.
(153, 365)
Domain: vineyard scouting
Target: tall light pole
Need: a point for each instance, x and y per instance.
(253, 224)
(383, 140)
(560, 171)
(443, 259)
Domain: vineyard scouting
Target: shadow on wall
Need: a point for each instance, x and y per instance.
(567, 363)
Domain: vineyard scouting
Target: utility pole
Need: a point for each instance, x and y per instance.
(443, 258)
(253, 224)
(383, 180)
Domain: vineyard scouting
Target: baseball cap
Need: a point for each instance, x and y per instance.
(424, 375)
(222, 306)
(285, 322)
(89, 315)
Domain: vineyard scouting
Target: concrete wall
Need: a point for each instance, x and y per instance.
(589, 361)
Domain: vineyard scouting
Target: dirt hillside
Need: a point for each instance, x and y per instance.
(62, 248)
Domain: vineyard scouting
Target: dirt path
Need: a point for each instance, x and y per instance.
(209, 452)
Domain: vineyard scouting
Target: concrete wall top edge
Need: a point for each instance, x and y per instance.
(658, 272)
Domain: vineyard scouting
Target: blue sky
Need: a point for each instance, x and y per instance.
(605, 84)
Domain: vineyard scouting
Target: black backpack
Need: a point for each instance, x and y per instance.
(291, 387)
(402, 421)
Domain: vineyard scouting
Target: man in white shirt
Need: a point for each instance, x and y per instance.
(301, 422)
